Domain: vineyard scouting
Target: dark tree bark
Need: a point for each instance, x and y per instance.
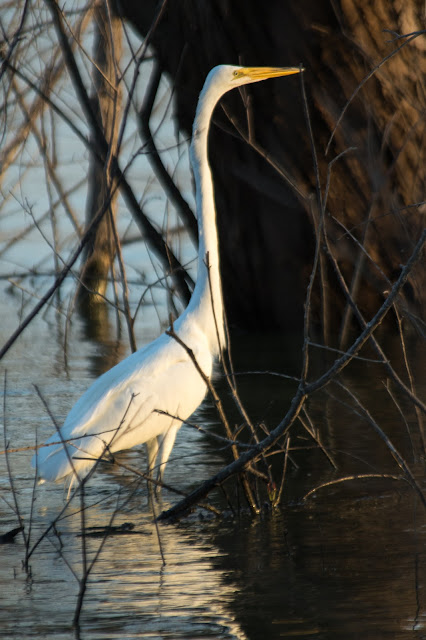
(266, 228)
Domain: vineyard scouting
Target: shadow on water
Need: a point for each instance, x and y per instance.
(346, 562)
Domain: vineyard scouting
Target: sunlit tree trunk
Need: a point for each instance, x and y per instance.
(106, 101)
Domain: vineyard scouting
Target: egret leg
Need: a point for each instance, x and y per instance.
(166, 445)
(152, 447)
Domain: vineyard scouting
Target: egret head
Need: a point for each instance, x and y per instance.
(225, 77)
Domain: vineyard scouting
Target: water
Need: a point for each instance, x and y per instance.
(346, 562)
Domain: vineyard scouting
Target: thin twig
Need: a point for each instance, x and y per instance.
(357, 476)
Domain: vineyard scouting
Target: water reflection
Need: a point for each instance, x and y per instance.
(97, 328)
(179, 600)
(334, 568)
(131, 593)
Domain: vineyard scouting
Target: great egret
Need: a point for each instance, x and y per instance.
(146, 397)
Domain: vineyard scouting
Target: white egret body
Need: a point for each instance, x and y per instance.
(145, 398)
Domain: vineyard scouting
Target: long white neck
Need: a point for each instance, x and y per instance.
(208, 292)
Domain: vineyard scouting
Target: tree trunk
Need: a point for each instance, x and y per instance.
(266, 226)
(106, 99)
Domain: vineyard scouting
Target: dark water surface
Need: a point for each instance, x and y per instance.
(346, 561)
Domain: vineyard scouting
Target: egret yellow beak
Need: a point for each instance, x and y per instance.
(262, 73)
